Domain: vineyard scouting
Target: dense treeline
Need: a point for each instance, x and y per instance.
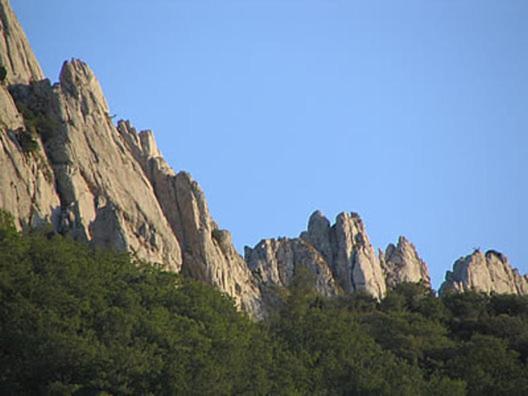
(74, 320)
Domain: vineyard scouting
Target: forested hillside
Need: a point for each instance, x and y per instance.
(75, 320)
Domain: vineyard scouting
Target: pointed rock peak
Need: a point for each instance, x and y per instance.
(78, 80)
(317, 214)
(318, 234)
(403, 242)
(185, 177)
(349, 217)
(75, 70)
(402, 263)
(148, 144)
(490, 254)
(127, 130)
(407, 247)
(15, 52)
(318, 222)
(126, 126)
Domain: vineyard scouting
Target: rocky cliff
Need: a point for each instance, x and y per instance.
(65, 163)
(488, 272)
(401, 263)
(340, 256)
(26, 180)
(15, 52)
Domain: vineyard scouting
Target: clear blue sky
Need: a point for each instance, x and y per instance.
(412, 113)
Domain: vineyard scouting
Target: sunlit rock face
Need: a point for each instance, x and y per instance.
(488, 273)
(340, 256)
(26, 180)
(276, 261)
(15, 52)
(66, 164)
(401, 263)
(95, 181)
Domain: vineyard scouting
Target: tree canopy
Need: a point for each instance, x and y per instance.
(78, 320)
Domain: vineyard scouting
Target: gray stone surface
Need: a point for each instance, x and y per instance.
(401, 263)
(275, 262)
(208, 253)
(488, 273)
(340, 256)
(110, 185)
(15, 53)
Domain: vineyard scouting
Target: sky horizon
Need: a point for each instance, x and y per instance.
(413, 115)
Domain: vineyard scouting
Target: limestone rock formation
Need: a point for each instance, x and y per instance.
(101, 183)
(342, 251)
(401, 263)
(489, 273)
(348, 252)
(26, 179)
(275, 262)
(64, 162)
(15, 53)
(208, 251)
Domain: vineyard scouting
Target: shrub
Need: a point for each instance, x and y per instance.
(37, 122)
(27, 141)
(3, 73)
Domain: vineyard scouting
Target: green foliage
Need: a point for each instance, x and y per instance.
(27, 141)
(3, 73)
(489, 367)
(37, 121)
(74, 320)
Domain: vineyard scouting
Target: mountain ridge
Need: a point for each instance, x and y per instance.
(69, 165)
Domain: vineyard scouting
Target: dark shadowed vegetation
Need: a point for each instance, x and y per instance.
(74, 320)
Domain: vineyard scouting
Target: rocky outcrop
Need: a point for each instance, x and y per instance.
(100, 183)
(208, 251)
(105, 196)
(276, 261)
(488, 273)
(340, 256)
(401, 263)
(348, 252)
(64, 162)
(15, 53)
(26, 180)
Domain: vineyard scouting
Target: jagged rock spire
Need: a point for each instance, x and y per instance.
(15, 53)
(111, 186)
(401, 263)
(340, 256)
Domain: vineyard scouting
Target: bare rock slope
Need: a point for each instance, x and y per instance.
(340, 256)
(15, 52)
(64, 162)
(401, 263)
(488, 272)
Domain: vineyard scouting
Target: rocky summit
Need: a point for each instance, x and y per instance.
(488, 272)
(340, 256)
(66, 163)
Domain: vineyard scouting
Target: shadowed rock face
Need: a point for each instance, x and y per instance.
(488, 273)
(401, 263)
